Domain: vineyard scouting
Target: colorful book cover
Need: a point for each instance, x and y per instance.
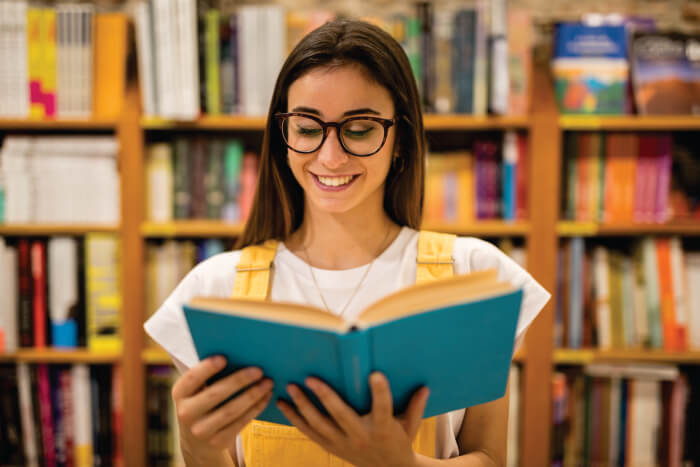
(212, 54)
(521, 177)
(509, 175)
(103, 305)
(590, 68)
(39, 298)
(666, 73)
(35, 60)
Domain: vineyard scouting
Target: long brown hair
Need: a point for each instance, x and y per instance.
(278, 207)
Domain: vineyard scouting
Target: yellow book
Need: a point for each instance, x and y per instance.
(48, 68)
(465, 180)
(103, 301)
(34, 63)
(110, 64)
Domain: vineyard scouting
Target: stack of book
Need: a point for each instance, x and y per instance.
(60, 415)
(614, 298)
(200, 179)
(61, 292)
(39, 176)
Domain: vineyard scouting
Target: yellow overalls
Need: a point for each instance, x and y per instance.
(271, 445)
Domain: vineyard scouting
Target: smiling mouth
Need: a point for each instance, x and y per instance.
(335, 181)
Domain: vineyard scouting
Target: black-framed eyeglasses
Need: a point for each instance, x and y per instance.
(359, 136)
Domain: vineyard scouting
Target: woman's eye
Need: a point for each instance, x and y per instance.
(357, 131)
(308, 131)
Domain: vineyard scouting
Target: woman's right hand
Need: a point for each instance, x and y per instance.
(203, 424)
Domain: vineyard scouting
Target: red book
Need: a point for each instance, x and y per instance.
(522, 174)
(666, 299)
(46, 416)
(38, 256)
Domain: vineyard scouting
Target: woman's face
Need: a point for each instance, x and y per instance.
(333, 180)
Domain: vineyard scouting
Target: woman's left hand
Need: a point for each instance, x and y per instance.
(375, 439)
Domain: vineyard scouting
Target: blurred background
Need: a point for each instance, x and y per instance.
(565, 132)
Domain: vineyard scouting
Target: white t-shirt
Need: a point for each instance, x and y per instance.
(394, 269)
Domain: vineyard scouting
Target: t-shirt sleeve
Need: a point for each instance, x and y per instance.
(482, 255)
(168, 327)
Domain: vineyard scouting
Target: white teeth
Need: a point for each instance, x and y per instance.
(334, 181)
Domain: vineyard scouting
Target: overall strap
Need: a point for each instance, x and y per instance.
(253, 271)
(434, 260)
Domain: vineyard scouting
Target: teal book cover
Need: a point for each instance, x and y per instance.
(462, 352)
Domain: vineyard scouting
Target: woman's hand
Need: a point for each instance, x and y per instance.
(203, 424)
(375, 439)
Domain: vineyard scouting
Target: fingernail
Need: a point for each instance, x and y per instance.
(219, 360)
(312, 383)
(254, 373)
(292, 390)
(267, 384)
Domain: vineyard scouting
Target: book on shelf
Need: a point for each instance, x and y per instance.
(664, 73)
(200, 179)
(40, 174)
(617, 177)
(452, 52)
(103, 302)
(590, 68)
(641, 295)
(344, 353)
(8, 298)
(624, 415)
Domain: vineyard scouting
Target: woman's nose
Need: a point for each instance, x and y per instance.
(331, 154)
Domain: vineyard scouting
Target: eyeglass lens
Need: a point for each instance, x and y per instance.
(358, 136)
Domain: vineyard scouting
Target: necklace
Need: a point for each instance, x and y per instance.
(369, 266)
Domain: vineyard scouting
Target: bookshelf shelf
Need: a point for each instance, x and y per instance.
(61, 356)
(585, 356)
(630, 122)
(432, 122)
(208, 228)
(68, 124)
(191, 228)
(590, 229)
(55, 229)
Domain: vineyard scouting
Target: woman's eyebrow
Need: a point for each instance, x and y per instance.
(310, 110)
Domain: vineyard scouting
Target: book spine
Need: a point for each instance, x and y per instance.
(45, 414)
(49, 63)
(665, 144)
(509, 179)
(355, 363)
(80, 375)
(212, 62)
(39, 308)
(521, 176)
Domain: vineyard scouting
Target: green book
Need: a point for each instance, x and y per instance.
(212, 56)
(653, 300)
(182, 196)
(213, 182)
(454, 336)
(233, 158)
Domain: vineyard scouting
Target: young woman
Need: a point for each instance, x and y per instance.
(337, 210)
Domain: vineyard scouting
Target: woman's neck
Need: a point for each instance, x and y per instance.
(334, 241)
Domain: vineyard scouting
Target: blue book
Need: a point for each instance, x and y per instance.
(454, 336)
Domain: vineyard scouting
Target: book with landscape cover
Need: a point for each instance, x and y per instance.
(454, 336)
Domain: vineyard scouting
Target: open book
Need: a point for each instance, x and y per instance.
(454, 335)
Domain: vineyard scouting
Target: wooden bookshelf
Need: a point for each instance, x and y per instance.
(55, 229)
(629, 122)
(586, 356)
(591, 229)
(431, 122)
(60, 124)
(208, 228)
(55, 355)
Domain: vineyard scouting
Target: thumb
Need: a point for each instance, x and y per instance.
(414, 413)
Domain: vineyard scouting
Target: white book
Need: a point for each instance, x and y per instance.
(8, 298)
(187, 39)
(63, 277)
(164, 56)
(642, 371)
(26, 411)
(62, 64)
(160, 182)
(82, 415)
(645, 416)
(144, 46)
(19, 193)
(692, 278)
(513, 416)
(499, 76)
(87, 46)
(249, 58)
(602, 296)
(17, 86)
(5, 67)
(275, 34)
